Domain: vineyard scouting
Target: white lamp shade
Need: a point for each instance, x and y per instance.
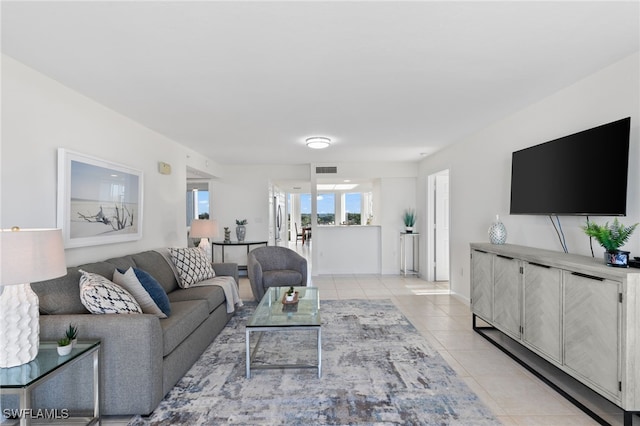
(31, 255)
(26, 256)
(204, 228)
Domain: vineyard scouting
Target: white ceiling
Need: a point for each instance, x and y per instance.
(247, 82)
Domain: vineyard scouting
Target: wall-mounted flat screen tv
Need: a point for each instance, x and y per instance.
(580, 174)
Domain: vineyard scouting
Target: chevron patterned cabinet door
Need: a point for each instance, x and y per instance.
(482, 284)
(591, 330)
(543, 309)
(507, 281)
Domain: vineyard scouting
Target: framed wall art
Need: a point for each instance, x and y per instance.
(99, 202)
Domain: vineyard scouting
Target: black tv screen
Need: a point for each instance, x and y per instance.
(580, 174)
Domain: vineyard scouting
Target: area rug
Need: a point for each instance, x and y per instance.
(376, 369)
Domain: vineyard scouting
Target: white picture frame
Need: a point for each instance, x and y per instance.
(99, 202)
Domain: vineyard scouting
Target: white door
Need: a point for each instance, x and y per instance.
(441, 226)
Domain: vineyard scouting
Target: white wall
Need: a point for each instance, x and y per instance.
(396, 195)
(244, 193)
(39, 115)
(480, 166)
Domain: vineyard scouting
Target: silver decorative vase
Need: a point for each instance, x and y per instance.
(241, 231)
(497, 232)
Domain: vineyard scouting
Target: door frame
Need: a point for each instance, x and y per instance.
(431, 218)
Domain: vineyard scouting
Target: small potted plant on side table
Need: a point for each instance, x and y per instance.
(72, 334)
(612, 237)
(64, 346)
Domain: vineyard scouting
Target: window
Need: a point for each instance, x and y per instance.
(197, 204)
(305, 209)
(326, 208)
(353, 208)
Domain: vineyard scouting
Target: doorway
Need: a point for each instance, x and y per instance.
(198, 198)
(438, 216)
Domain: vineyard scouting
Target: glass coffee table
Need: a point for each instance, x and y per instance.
(272, 314)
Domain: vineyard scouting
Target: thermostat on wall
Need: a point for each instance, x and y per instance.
(164, 168)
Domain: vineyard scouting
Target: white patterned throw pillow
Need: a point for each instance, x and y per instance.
(192, 264)
(101, 296)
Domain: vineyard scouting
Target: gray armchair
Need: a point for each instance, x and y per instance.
(274, 266)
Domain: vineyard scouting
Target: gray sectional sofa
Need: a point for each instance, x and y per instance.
(142, 356)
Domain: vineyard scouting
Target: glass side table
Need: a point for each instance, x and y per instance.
(21, 381)
(414, 240)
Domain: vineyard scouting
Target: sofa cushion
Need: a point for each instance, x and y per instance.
(158, 263)
(123, 262)
(60, 296)
(101, 296)
(145, 289)
(192, 264)
(281, 278)
(213, 294)
(185, 317)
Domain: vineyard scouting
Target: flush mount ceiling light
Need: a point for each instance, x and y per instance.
(318, 142)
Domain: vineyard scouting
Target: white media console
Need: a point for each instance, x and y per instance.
(574, 312)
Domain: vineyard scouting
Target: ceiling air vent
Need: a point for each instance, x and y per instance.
(326, 169)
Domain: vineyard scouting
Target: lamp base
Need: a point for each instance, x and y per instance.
(206, 247)
(19, 325)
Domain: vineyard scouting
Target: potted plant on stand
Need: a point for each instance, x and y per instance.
(612, 237)
(409, 218)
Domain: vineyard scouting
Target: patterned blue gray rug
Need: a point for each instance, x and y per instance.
(376, 369)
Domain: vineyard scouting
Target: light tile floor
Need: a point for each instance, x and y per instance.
(515, 395)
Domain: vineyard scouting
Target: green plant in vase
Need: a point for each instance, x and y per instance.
(611, 237)
(72, 333)
(290, 295)
(64, 346)
(241, 229)
(409, 219)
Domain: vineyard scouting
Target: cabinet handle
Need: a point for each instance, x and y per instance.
(591, 277)
(504, 257)
(540, 265)
(480, 251)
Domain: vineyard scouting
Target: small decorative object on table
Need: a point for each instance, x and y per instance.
(241, 230)
(497, 232)
(290, 297)
(409, 220)
(612, 237)
(290, 301)
(64, 346)
(227, 235)
(72, 334)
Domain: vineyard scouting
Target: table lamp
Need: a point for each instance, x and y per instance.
(203, 229)
(26, 256)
